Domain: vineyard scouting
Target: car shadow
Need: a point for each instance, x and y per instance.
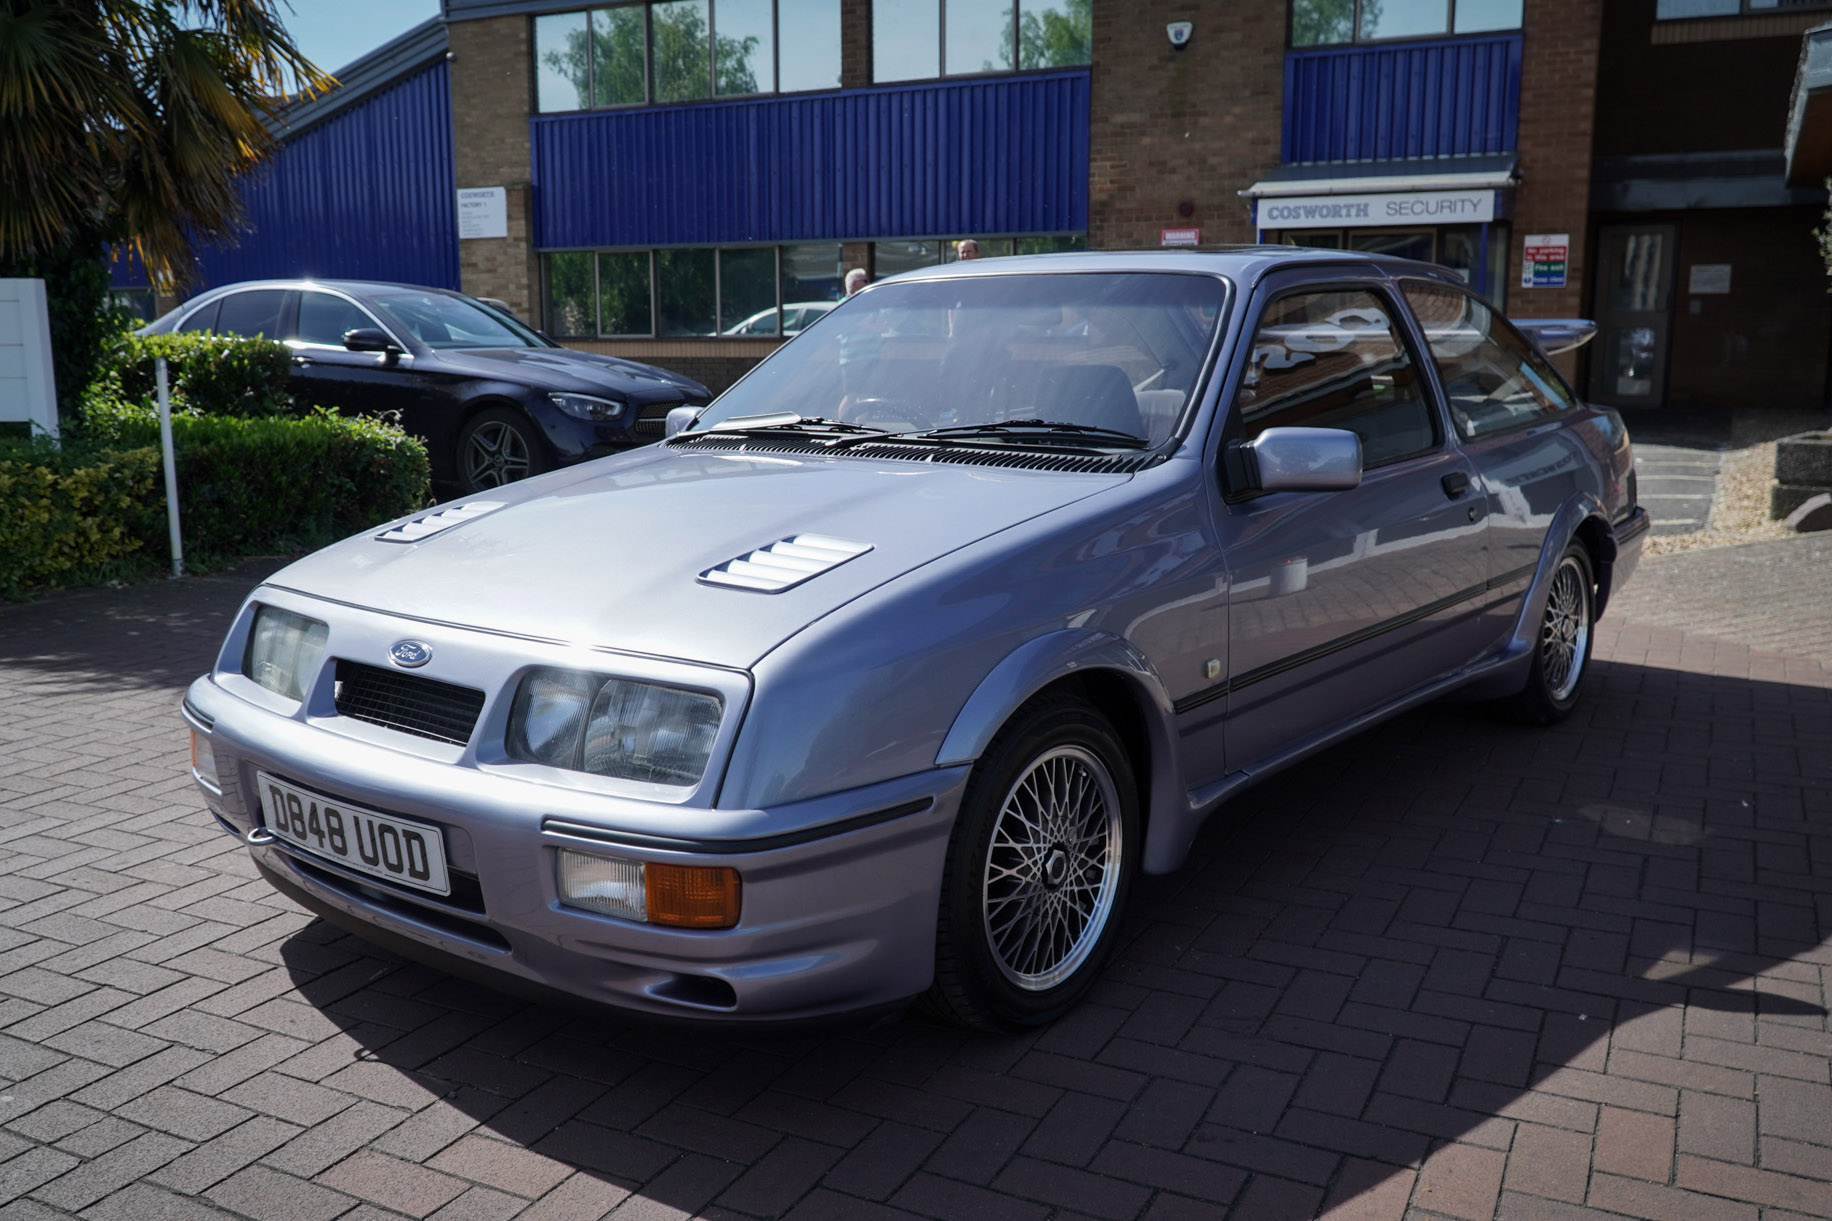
(1437, 932)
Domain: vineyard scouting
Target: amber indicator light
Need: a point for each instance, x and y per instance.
(691, 896)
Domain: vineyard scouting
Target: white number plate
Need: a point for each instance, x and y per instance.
(407, 853)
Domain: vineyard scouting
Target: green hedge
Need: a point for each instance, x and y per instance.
(96, 508)
(72, 516)
(213, 375)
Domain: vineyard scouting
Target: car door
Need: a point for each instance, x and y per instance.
(1341, 602)
(327, 374)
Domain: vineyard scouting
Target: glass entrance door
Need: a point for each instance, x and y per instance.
(1634, 311)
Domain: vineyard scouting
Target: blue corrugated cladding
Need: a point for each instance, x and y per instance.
(1423, 99)
(368, 194)
(1006, 155)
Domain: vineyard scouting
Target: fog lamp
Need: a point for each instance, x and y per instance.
(678, 896)
(203, 760)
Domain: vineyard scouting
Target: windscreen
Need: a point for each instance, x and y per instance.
(1117, 351)
(441, 321)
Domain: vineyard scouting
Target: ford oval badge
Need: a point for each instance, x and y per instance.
(410, 653)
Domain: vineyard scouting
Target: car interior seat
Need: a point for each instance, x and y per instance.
(1096, 395)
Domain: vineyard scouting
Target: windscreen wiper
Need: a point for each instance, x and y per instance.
(1037, 430)
(772, 425)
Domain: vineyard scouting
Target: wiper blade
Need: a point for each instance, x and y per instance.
(773, 425)
(1034, 430)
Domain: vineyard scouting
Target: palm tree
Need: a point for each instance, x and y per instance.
(125, 123)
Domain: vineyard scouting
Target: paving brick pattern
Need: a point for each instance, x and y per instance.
(1451, 969)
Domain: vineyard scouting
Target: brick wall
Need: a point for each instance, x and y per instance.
(1558, 90)
(492, 99)
(1194, 125)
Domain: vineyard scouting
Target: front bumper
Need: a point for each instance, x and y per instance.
(840, 893)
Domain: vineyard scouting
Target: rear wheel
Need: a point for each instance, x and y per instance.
(1561, 653)
(1038, 869)
(498, 446)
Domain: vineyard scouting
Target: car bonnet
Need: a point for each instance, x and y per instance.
(565, 369)
(635, 552)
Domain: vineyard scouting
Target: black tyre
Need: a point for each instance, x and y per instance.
(1561, 653)
(498, 446)
(1038, 869)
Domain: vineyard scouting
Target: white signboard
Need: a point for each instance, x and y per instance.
(28, 387)
(1369, 211)
(1708, 278)
(1544, 258)
(483, 212)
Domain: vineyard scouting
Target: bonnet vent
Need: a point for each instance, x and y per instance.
(429, 524)
(785, 564)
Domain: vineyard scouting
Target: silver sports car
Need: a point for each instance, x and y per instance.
(885, 674)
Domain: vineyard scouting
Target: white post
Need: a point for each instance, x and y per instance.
(171, 468)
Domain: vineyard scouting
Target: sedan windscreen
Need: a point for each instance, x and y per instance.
(1120, 352)
(441, 321)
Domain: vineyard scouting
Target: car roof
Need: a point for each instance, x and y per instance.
(357, 287)
(1243, 264)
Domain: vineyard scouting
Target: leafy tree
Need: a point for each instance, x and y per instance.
(1315, 22)
(1060, 37)
(128, 122)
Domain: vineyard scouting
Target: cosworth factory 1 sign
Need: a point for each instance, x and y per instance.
(1354, 211)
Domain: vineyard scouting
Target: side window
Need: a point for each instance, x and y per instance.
(1335, 360)
(255, 312)
(1494, 379)
(200, 320)
(324, 318)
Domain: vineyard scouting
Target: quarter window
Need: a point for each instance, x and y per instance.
(1493, 378)
(256, 312)
(1319, 22)
(923, 39)
(684, 50)
(1336, 360)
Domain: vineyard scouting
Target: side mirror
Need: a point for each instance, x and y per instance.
(369, 339)
(1295, 460)
(680, 419)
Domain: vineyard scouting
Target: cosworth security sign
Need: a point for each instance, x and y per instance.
(1373, 211)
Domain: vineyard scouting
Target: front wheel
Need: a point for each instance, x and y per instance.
(498, 446)
(1561, 654)
(1038, 869)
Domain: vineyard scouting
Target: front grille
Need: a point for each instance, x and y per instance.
(424, 707)
(652, 419)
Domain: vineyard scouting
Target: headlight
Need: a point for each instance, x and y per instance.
(585, 407)
(614, 726)
(283, 651)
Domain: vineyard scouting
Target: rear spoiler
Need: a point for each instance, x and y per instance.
(1556, 335)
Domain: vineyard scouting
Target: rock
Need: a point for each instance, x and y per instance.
(1814, 514)
(1805, 460)
(1784, 498)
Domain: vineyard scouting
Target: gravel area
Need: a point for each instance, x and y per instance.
(1739, 511)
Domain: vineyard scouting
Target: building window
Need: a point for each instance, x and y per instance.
(1676, 10)
(685, 292)
(683, 51)
(916, 40)
(1319, 22)
(889, 258)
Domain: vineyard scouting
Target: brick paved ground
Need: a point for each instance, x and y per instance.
(1451, 969)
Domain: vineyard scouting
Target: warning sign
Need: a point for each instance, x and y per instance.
(1542, 263)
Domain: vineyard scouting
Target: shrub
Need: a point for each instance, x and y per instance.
(216, 375)
(257, 486)
(95, 509)
(73, 515)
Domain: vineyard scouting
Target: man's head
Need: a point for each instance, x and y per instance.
(855, 280)
(968, 249)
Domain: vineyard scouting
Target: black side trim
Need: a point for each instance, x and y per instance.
(1636, 524)
(197, 716)
(1508, 578)
(1274, 669)
(761, 843)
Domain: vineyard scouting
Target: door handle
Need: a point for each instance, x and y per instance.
(1455, 484)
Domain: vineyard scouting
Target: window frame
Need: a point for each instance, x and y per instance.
(649, 100)
(1356, 40)
(1745, 9)
(1399, 320)
(1544, 367)
(941, 50)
